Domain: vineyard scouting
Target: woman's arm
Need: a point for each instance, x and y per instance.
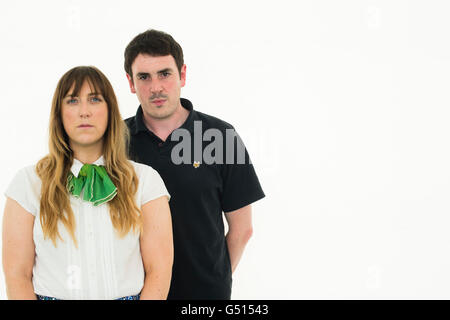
(157, 249)
(18, 251)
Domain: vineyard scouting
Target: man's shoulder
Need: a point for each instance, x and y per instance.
(132, 125)
(212, 122)
(131, 122)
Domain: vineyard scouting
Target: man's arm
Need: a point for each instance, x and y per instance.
(157, 249)
(18, 251)
(240, 230)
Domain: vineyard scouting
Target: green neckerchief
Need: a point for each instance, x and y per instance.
(98, 187)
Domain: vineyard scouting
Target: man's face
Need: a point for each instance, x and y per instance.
(157, 84)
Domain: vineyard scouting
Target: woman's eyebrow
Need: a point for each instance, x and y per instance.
(75, 95)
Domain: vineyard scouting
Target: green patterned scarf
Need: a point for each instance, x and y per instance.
(98, 187)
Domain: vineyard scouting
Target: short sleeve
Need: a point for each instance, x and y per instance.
(24, 189)
(241, 185)
(152, 185)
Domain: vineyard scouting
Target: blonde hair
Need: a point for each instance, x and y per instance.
(54, 168)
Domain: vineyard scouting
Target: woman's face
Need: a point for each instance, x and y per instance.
(84, 117)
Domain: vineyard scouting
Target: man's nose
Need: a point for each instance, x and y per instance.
(156, 86)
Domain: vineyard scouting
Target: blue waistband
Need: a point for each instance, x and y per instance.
(136, 297)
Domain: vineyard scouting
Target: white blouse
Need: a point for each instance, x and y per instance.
(104, 266)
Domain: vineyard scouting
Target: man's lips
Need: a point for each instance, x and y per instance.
(159, 101)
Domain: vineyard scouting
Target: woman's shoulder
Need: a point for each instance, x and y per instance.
(27, 174)
(147, 175)
(25, 188)
(151, 184)
(141, 168)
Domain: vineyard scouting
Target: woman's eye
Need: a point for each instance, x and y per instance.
(96, 99)
(72, 101)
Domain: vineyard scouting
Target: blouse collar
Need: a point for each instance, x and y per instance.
(77, 165)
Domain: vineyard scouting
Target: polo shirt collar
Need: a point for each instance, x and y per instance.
(188, 124)
(77, 165)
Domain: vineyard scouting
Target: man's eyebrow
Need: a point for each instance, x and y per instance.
(159, 72)
(165, 70)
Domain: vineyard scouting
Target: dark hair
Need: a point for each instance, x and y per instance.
(154, 43)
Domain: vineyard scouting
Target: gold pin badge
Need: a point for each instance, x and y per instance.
(196, 164)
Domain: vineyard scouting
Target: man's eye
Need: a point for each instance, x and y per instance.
(165, 74)
(142, 77)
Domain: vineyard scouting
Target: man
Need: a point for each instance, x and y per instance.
(201, 189)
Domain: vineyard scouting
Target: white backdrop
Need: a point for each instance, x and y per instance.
(343, 106)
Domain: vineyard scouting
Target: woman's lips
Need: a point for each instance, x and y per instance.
(85, 126)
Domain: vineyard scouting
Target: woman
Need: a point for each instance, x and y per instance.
(85, 222)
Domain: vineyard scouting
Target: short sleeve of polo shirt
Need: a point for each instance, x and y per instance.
(152, 185)
(25, 189)
(241, 186)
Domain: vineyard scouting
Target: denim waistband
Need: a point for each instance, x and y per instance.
(136, 297)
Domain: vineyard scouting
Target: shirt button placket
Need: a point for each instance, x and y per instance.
(91, 251)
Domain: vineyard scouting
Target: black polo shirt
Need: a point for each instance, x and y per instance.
(200, 192)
